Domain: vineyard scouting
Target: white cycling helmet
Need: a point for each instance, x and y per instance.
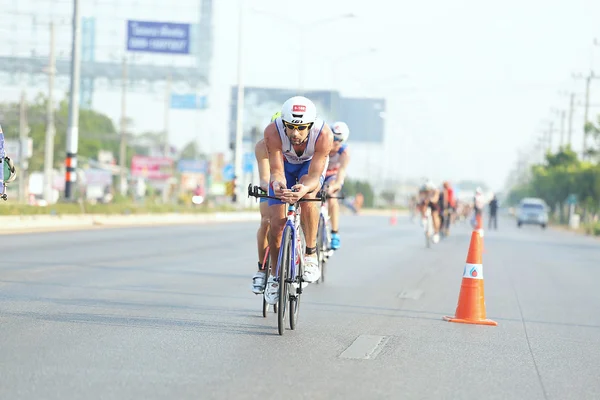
(340, 131)
(299, 110)
(429, 185)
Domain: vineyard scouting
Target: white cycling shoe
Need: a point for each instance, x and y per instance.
(312, 273)
(272, 291)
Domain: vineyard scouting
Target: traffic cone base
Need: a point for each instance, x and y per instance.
(468, 321)
(471, 300)
(393, 218)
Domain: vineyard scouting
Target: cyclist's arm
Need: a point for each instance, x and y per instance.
(341, 174)
(262, 160)
(320, 159)
(273, 144)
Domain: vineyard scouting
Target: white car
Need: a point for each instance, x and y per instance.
(532, 211)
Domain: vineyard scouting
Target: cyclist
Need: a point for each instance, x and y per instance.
(447, 207)
(335, 175)
(429, 196)
(298, 145)
(264, 173)
(478, 205)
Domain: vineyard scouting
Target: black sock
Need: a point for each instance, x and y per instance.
(260, 266)
(311, 250)
(334, 232)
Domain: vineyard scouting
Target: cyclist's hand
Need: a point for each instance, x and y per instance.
(296, 193)
(333, 188)
(279, 189)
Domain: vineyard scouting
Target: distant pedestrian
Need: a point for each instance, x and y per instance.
(494, 213)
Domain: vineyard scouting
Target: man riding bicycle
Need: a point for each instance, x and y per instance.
(335, 175)
(298, 145)
(264, 174)
(429, 197)
(447, 204)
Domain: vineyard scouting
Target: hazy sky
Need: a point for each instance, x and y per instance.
(467, 83)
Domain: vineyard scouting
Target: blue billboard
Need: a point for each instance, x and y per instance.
(158, 37)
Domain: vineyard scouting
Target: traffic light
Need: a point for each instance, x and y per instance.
(233, 190)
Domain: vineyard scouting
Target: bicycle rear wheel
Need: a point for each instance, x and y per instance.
(321, 248)
(267, 267)
(285, 261)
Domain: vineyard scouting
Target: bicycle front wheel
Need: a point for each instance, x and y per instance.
(285, 260)
(295, 296)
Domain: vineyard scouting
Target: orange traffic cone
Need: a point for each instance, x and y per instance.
(479, 230)
(393, 218)
(479, 225)
(471, 300)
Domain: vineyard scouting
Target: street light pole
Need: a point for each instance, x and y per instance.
(239, 129)
(50, 127)
(73, 129)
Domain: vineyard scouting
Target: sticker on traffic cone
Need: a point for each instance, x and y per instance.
(471, 300)
(393, 218)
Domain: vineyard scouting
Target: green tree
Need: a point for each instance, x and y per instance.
(192, 151)
(352, 187)
(96, 131)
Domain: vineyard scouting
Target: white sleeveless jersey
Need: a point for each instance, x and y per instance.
(334, 160)
(288, 150)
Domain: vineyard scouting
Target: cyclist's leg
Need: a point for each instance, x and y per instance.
(277, 221)
(261, 241)
(263, 229)
(435, 215)
(334, 211)
(310, 224)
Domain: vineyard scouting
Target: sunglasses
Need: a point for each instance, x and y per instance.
(300, 127)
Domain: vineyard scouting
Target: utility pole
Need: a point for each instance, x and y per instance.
(123, 126)
(562, 129)
(50, 128)
(167, 110)
(73, 129)
(550, 134)
(23, 146)
(123, 133)
(588, 81)
(569, 142)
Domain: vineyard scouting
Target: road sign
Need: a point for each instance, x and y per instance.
(248, 163)
(572, 199)
(196, 166)
(188, 101)
(228, 172)
(158, 37)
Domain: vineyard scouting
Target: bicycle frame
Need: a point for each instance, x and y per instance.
(293, 223)
(293, 220)
(428, 226)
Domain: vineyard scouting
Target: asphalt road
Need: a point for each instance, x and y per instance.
(167, 313)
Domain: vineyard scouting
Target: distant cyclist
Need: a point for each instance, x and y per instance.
(339, 157)
(429, 197)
